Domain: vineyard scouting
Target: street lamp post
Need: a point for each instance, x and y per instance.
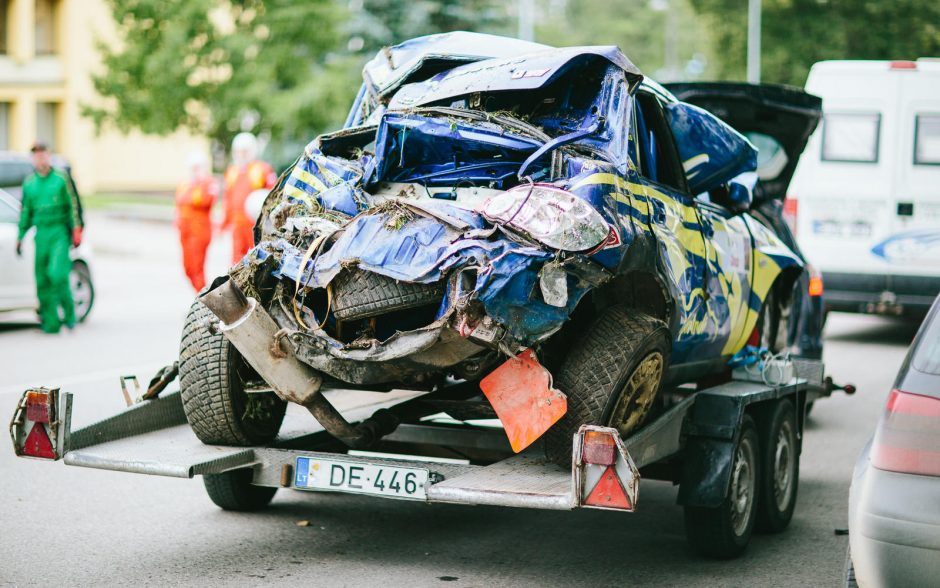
(753, 41)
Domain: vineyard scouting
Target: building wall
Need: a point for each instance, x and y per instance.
(109, 161)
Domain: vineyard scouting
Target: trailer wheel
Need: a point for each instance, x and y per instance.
(724, 531)
(611, 377)
(234, 491)
(780, 469)
(212, 373)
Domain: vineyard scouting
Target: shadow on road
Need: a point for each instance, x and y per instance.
(887, 331)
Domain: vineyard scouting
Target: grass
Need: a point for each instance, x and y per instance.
(104, 200)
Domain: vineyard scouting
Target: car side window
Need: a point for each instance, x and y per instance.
(655, 149)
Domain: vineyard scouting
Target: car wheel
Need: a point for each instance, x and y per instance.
(611, 376)
(234, 491)
(83, 290)
(724, 531)
(773, 322)
(212, 376)
(780, 469)
(848, 578)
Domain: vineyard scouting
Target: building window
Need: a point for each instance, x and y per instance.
(47, 123)
(4, 25)
(47, 42)
(4, 126)
(851, 137)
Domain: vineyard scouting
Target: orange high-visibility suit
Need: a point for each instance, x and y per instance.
(194, 199)
(240, 182)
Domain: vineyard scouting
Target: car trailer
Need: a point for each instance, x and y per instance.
(733, 449)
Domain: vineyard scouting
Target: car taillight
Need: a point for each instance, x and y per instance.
(790, 206)
(815, 282)
(908, 437)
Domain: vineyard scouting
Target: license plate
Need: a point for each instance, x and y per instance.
(363, 478)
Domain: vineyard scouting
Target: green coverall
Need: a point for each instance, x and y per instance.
(51, 206)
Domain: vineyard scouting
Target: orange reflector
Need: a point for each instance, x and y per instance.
(609, 492)
(521, 393)
(38, 444)
(816, 286)
(599, 448)
(37, 407)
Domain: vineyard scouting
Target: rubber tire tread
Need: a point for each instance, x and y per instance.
(359, 294)
(234, 491)
(205, 380)
(708, 530)
(79, 266)
(769, 519)
(598, 365)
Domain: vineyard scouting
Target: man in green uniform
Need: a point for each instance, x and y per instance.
(50, 205)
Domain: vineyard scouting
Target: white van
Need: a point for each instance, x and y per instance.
(866, 193)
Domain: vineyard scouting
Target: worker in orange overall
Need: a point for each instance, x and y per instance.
(194, 200)
(244, 176)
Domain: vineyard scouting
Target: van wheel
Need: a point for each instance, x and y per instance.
(611, 376)
(724, 532)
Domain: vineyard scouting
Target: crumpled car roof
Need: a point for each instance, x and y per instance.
(392, 65)
(517, 72)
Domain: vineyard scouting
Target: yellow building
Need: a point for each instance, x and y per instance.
(47, 56)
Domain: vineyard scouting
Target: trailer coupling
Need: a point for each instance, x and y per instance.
(258, 339)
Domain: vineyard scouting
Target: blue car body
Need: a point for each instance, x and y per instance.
(529, 183)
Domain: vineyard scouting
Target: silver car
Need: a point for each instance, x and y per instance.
(17, 278)
(894, 501)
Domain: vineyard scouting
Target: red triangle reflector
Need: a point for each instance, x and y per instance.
(38, 443)
(609, 492)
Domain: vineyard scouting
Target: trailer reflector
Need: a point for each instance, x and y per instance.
(599, 448)
(609, 492)
(37, 406)
(38, 443)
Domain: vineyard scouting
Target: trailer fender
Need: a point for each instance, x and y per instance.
(711, 434)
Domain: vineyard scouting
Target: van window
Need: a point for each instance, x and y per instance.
(851, 137)
(927, 139)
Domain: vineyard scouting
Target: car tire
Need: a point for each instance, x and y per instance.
(212, 372)
(234, 491)
(359, 294)
(83, 289)
(780, 469)
(848, 578)
(611, 375)
(723, 532)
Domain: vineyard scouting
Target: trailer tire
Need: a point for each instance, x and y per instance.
(234, 491)
(613, 372)
(780, 469)
(359, 294)
(721, 532)
(214, 400)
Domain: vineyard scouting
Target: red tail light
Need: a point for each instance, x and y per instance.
(908, 436)
(790, 206)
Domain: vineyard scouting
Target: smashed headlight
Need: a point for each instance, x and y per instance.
(550, 215)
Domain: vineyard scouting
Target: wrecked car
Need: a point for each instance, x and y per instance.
(544, 224)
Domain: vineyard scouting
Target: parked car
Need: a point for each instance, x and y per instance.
(866, 195)
(16, 166)
(894, 519)
(528, 202)
(17, 275)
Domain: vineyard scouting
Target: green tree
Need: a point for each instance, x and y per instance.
(798, 33)
(221, 66)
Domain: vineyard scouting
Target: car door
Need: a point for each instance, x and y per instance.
(709, 298)
(17, 283)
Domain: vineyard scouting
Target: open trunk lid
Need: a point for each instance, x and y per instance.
(785, 114)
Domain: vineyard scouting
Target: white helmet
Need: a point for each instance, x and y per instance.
(244, 148)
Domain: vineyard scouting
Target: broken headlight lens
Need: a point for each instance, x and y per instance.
(550, 215)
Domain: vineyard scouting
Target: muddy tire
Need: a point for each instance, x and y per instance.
(234, 491)
(359, 294)
(214, 400)
(780, 469)
(611, 376)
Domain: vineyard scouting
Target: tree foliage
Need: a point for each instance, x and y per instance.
(798, 33)
(217, 67)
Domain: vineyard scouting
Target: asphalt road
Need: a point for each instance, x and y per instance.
(74, 527)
